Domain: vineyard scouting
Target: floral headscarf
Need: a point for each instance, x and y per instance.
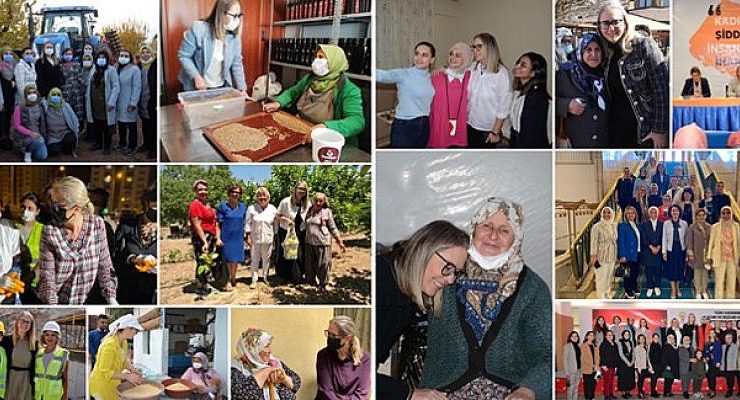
(510, 261)
(248, 348)
(589, 81)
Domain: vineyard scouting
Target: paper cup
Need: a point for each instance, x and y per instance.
(327, 145)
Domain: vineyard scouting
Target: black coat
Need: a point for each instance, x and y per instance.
(532, 132)
(588, 130)
(655, 354)
(688, 88)
(134, 287)
(670, 359)
(609, 355)
(649, 237)
(48, 76)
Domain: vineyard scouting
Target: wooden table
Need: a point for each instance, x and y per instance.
(179, 144)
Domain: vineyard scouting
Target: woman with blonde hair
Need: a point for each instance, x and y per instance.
(21, 348)
(219, 37)
(489, 93)
(291, 212)
(409, 277)
(342, 367)
(320, 228)
(74, 248)
(260, 232)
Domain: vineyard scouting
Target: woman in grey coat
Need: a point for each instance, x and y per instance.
(685, 358)
(696, 243)
(101, 98)
(572, 363)
(129, 77)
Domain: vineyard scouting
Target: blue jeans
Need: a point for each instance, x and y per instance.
(410, 133)
(37, 148)
(653, 276)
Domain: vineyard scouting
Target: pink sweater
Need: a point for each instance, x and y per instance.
(450, 102)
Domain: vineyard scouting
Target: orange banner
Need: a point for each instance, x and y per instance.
(716, 43)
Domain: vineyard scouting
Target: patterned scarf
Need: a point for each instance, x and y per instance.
(588, 80)
(248, 348)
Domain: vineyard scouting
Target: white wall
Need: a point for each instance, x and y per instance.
(414, 188)
(221, 346)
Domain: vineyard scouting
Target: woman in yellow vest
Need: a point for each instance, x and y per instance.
(50, 378)
(3, 364)
(21, 347)
(30, 232)
(112, 360)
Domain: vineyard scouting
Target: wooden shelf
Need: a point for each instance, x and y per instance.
(307, 68)
(321, 20)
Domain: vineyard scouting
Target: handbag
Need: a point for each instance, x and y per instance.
(621, 271)
(290, 245)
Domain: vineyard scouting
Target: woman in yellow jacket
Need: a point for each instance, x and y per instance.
(112, 360)
(723, 253)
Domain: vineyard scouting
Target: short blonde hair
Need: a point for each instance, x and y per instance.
(347, 326)
(74, 193)
(262, 190)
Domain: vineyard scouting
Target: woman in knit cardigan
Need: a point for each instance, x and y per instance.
(590, 360)
(486, 313)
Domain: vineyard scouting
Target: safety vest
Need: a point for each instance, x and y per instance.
(48, 381)
(3, 371)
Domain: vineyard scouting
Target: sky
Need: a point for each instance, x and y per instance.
(257, 173)
(112, 11)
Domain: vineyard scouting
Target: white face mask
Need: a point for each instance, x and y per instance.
(28, 216)
(48, 51)
(197, 365)
(124, 60)
(490, 262)
(320, 66)
(32, 97)
(233, 25)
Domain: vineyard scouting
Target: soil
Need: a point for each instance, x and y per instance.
(349, 282)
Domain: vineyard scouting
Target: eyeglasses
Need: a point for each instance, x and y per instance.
(476, 46)
(611, 24)
(235, 15)
(331, 335)
(236, 192)
(449, 268)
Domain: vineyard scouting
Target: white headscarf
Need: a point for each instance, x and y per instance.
(512, 258)
(126, 321)
(248, 348)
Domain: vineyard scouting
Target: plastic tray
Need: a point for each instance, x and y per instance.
(206, 107)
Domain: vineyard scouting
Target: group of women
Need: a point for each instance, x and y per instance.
(480, 300)
(64, 253)
(635, 352)
(210, 56)
(342, 367)
(675, 233)
(465, 103)
(225, 229)
(614, 93)
(46, 100)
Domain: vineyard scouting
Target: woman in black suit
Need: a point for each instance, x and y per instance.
(670, 364)
(696, 86)
(655, 355)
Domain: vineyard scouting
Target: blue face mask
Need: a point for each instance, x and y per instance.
(29, 59)
(55, 99)
(7, 57)
(568, 48)
(67, 58)
(101, 62)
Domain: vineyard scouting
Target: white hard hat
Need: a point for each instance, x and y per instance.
(51, 326)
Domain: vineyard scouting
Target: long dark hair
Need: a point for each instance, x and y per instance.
(539, 67)
(32, 197)
(100, 71)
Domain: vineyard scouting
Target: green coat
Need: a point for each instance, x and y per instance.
(349, 119)
(521, 351)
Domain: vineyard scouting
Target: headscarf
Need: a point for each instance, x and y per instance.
(126, 321)
(589, 81)
(26, 90)
(511, 260)
(146, 64)
(204, 370)
(88, 57)
(657, 213)
(248, 348)
(337, 65)
(722, 221)
(55, 91)
(467, 60)
(8, 68)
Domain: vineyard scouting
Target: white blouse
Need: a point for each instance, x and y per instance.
(489, 97)
(214, 76)
(286, 208)
(260, 223)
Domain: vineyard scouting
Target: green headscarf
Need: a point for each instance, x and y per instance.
(337, 65)
(55, 92)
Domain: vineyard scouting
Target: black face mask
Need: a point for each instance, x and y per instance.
(333, 343)
(151, 215)
(58, 215)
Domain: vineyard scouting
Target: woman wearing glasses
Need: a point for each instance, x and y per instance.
(342, 367)
(231, 215)
(409, 277)
(290, 213)
(723, 252)
(486, 313)
(20, 347)
(217, 37)
(489, 93)
(636, 77)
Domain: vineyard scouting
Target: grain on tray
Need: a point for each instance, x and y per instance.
(237, 137)
(142, 391)
(291, 122)
(177, 387)
(242, 158)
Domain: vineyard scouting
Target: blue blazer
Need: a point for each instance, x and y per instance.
(648, 237)
(627, 242)
(196, 52)
(663, 182)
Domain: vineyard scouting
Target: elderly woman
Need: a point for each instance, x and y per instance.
(62, 126)
(342, 367)
(604, 251)
(74, 252)
(696, 244)
(723, 252)
(21, 348)
(448, 117)
(674, 249)
(260, 233)
(206, 379)
(290, 213)
(231, 215)
(581, 96)
(257, 374)
(410, 275)
(486, 313)
(205, 233)
(50, 382)
(29, 125)
(636, 77)
(320, 228)
(326, 96)
(113, 363)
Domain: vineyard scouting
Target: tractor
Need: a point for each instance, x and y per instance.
(65, 27)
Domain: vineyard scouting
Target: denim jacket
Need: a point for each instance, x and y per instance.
(196, 52)
(644, 76)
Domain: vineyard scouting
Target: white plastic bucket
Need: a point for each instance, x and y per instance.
(326, 145)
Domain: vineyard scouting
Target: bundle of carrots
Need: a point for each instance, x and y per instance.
(12, 284)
